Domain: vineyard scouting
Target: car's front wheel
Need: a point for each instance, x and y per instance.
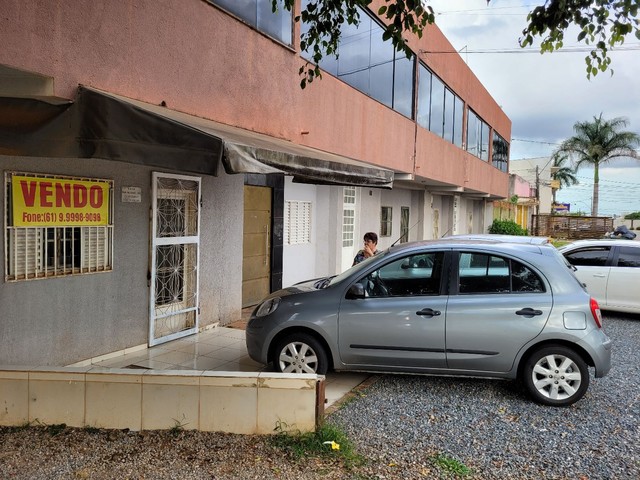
(556, 375)
(300, 353)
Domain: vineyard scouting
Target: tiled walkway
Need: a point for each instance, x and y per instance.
(219, 349)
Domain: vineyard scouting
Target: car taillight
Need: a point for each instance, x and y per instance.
(595, 311)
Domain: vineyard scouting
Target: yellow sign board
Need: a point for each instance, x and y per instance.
(58, 202)
(555, 184)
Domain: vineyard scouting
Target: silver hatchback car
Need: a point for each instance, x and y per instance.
(445, 307)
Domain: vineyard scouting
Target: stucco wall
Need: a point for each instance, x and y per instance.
(87, 315)
(200, 60)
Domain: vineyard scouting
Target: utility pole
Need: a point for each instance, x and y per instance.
(537, 199)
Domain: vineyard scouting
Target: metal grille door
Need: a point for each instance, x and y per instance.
(175, 255)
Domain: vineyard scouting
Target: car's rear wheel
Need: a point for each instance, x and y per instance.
(300, 353)
(556, 375)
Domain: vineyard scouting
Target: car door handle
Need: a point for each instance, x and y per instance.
(428, 312)
(599, 275)
(529, 312)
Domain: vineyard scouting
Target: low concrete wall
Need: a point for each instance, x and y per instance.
(233, 402)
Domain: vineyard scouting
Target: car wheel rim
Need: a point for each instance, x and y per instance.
(298, 357)
(556, 377)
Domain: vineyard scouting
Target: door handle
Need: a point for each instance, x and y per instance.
(529, 312)
(599, 275)
(428, 312)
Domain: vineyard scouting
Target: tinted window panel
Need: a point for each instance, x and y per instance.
(457, 122)
(354, 47)
(473, 133)
(424, 96)
(437, 106)
(593, 257)
(381, 83)
(276, 24)
(523, 279)
(409, 276)
(629, 257)
(448, 115)
(403, 85)
(481, 273)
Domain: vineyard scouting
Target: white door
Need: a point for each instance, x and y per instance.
(175, 255)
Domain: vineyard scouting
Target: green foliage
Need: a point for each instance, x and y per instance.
(603, 24)
(451, 465)
(506, 227)
(317, 444)
(597, 142)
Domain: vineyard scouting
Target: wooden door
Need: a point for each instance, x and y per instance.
(256, 258)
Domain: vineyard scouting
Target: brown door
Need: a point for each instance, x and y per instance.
(256, 258)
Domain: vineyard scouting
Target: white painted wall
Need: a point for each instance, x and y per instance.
(299, 261)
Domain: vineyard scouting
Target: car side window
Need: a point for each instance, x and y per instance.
(591, 256)
(483, 273)
(413, 275)
(629, 257)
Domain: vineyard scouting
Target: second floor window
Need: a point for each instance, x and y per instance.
(371, 65)
(260, 15)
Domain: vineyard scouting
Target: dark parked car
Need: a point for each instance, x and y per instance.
(452, 307)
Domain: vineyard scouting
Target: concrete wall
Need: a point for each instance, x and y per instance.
(57, 321)
(232, 402)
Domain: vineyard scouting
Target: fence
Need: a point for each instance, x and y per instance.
(571, 227)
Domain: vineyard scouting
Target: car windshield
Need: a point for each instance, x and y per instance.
(356, 268)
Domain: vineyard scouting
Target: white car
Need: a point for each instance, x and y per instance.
(610, 270)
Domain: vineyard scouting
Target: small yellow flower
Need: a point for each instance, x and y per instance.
(334, 445)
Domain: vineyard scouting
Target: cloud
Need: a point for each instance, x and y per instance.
(544, 95)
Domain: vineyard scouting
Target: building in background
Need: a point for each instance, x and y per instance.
(162, 167)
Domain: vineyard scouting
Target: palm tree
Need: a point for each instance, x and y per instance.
(597, 142)
(562, 173)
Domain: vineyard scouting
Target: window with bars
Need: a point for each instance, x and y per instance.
(62, 241)
(297, 222)
(348, 216)
(386, 216)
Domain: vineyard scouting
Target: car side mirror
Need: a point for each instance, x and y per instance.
(355, 291)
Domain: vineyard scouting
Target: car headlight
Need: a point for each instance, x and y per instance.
(267, 307)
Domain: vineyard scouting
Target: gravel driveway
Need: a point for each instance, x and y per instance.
(408, 427)
(493, 428)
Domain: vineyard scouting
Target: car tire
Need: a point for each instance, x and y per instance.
(556, 375)
(300, 353)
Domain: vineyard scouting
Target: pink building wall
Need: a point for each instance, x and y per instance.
(202, 61)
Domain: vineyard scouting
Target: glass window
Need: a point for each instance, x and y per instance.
(473, 134)
(449, 111)
(385, 221)
(413, 275)
(403, 84)
(483, 273)
(371, 65)
(629, 257)
(484, 145)
(458, 106)
(592, 257)
(424, 96)
(437, 106)
(500, 153)
(260, 14)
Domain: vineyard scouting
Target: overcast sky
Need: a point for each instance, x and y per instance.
(544, 95)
